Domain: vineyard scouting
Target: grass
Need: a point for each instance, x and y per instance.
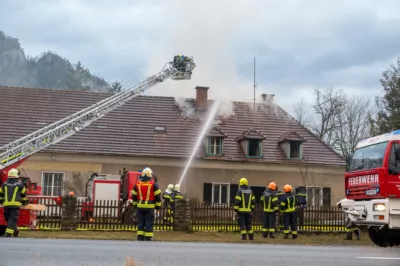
(217, 237)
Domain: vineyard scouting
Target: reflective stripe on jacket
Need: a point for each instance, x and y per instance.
(146, 195)
(288, 204)
(244, 200)
(269, 199)
(12, 193)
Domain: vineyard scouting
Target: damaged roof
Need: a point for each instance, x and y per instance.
(130, 129)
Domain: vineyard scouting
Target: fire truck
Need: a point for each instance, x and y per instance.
(13, 154)
(114, 188)
(372, 187)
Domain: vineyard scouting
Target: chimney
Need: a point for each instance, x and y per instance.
(267, 97)
(201, 98)
(263, 97)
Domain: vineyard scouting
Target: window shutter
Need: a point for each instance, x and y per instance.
(207, 190)
(326, 197)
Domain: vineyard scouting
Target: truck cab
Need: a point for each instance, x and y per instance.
(372, 187)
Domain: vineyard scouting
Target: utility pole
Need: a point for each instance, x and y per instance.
(254, 92)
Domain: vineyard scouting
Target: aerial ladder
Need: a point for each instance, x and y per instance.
(15, 153)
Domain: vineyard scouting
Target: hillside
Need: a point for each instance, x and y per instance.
(48, 70)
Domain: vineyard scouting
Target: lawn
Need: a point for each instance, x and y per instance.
(217, 237)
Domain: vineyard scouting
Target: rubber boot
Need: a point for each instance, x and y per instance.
(147, 238)
(16, 233)
(8, 235)
(251, 236)
(294, 236)
(286, 236)
(140, 238)
(244, 237)
(348, 236)
(272, 235)
(264, 234)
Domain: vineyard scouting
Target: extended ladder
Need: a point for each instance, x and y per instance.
(64, 128)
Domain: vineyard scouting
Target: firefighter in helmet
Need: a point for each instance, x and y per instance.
(177, 192)
(288, 207)
(146, 196)
(269, 201)
(167, 198)
(244, 206)
(12, 194)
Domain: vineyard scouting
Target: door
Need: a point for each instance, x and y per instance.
(393, 176)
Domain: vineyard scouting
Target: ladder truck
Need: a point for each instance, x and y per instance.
(372, 187)
(13, 154)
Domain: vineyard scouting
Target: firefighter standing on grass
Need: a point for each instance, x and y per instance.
(269, 201)
(288, 206)
(12, 193)
(146, 196)
(167, 198)
(350, 227)
(244, 206)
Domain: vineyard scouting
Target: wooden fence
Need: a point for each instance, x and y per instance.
(113, 216)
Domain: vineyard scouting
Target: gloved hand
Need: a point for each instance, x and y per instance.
(158, 208)
(251, 213)
(25, 202)
(236, 216)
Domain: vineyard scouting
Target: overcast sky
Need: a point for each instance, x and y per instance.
(298, 44)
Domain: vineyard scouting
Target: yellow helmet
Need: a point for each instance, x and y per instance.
(13, 173)
(243, 182)
(147, 171)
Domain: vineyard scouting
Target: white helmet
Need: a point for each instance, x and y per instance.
(13, 173)
(170, 187)
(147, 171)
(177, 187)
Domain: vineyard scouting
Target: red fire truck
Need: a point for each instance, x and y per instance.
(372, 186)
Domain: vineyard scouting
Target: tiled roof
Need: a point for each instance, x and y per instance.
(129, 130)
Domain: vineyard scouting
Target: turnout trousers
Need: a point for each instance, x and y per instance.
(245, 223)
(268, 223)
(290, 224)
(11, 215)
(145, 219)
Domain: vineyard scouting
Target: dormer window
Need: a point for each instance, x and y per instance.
(251, 143)
(214, 142)
(292, 145)
(214, 146)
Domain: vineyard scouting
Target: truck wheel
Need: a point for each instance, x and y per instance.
(377, 237)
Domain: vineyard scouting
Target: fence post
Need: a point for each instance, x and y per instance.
(68, 213)
(182, 215)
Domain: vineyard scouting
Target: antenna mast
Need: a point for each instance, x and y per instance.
(254, 92)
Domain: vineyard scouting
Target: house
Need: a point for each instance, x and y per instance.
(262, 143)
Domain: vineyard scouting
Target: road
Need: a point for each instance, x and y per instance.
(51, 252)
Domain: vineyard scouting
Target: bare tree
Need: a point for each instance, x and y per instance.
(328, 104)
(308, 176)
(353, 121)
(301, 112)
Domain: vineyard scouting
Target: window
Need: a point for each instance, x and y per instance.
(217, 193)
(295, 147)
(254, 148)
(368, 157)
(214, 146)
(319, 196)
(52, 184)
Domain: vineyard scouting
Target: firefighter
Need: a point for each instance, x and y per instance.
(269, 201)
(146, 197)
(244, 206)
(288, 206)
(177, 192)
(167, 197)
(12, 193)
(279, 217)
(350, 228)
